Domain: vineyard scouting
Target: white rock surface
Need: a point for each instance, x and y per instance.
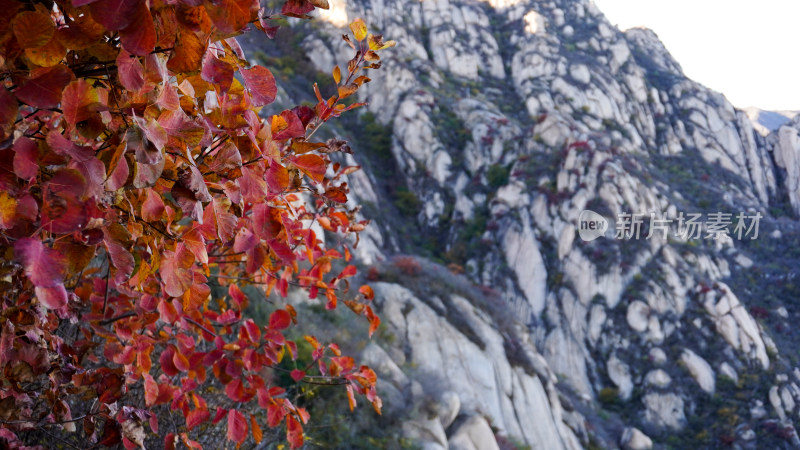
(634, 439)
(664, 410)
(473, 434)
(700, 370)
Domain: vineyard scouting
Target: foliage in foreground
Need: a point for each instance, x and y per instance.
(140, 192)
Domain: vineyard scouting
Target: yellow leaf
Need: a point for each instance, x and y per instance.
(376, 42)
(337, 74)
(8, 210)
(47, 55)
(359, 29)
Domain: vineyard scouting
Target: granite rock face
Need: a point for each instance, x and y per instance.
(507, 119)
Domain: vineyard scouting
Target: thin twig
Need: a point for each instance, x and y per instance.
(119, 317)
(192, 321)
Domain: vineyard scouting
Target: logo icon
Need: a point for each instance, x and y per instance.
(591, 225)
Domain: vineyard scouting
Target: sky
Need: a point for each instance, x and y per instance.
(748, 50)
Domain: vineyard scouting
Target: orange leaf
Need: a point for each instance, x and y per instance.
(33, 28)
(367, 291)
(351, 398)
(277, 178)
(189, 51)
(258, 435)
(311, 165)
(230, 16)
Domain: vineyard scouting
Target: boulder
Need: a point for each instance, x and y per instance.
(664, 410)
(620, 375)
(700, 370)
(633, 439)
(474, 433)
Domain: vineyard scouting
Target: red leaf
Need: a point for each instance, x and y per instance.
(237, 427)
(274, 415)
(52, 297)
(236, 391)
(311, 165)
(217, 72)
(218, 221)
(196, 244)
(169, 441)
(297, 8)
(279, 320)
(336, 194)
(43, 266)
(239, 298)
(165, 360)
(196, 417)
(112, 435)
(226, 157)
(150, 390)
(130, 71)
(177, 124)
(26, 154)
(168, 97)
(348, 271)
(282, 250)
(298, 375)
(176, 271)
(253, 186)
(261, 84)
(266, 221)
(8, 112)
(43, 89)
(121, 258)
(114, 14)
(287, 126)
(139, 38)
(277, 178)
(221, 412)
(180, 361)
(294, 432)
(152, 207)
(245, 240)
(193, 180)
(77, 101)
(155, 133)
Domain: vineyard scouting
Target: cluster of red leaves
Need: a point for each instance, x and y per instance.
(137, 174)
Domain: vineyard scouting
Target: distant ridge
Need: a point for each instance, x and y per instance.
(767, 121)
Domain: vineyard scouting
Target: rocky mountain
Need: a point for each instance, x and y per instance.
(492, 125)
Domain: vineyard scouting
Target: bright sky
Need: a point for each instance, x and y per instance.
(747, 49)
